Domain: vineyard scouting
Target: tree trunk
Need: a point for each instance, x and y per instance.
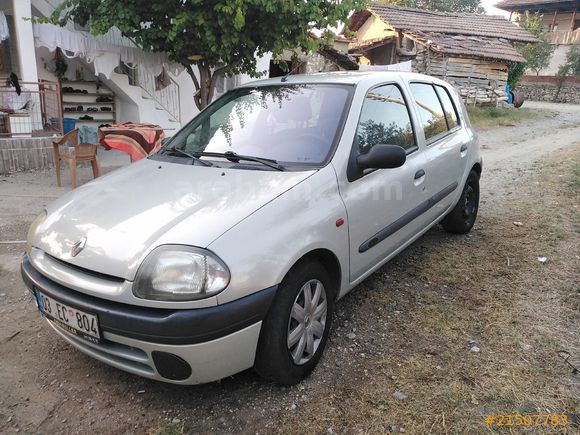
(205, 85)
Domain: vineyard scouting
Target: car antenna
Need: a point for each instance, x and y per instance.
(285, 78)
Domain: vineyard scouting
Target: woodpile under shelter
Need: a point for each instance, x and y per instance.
(470, 51)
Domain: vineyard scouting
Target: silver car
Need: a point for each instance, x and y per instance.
(229, 248)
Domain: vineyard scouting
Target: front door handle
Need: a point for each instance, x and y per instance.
(464, 147)
(420, 173)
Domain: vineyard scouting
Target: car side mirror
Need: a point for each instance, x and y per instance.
(382, 157)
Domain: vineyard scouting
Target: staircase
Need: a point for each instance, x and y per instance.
(135, 86)
(138, 99)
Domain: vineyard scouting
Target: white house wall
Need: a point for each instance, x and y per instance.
(131, 102)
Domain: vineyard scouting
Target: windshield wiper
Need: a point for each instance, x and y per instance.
(234, 157)
(186, 154)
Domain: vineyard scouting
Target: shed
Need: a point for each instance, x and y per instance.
(470, 51)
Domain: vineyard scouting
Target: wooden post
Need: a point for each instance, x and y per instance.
(554, 20)
(58, 97)
(573, 20)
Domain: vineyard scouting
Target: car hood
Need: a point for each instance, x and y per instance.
(126, 214)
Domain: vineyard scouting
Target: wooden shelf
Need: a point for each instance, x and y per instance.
(84, 101)
(84, 82)
(90, 112)
(101, 121)
(89, 94)
(80, 103)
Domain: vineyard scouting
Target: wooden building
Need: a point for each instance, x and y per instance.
(470, 51)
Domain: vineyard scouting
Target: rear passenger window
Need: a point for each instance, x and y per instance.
(384, 120)
(430, 110)
(448, 107)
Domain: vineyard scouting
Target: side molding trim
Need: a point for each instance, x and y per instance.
(406, 218)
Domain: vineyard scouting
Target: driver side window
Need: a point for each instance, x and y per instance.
(384, 120)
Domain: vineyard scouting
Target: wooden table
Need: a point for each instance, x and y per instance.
(137, 140)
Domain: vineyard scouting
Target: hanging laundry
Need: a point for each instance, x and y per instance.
(98, 50)
(4, 32)
(162, 80)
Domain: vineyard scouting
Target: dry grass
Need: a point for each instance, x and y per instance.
(483, 117)
(447, 294)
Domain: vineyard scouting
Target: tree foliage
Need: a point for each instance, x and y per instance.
(537, 54)
(516, 70)
(217, 36)
(441, 5)
(571, 67)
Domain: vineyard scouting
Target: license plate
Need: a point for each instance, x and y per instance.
(72, 320)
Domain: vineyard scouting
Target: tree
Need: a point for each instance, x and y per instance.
(441, 5)
(572, 65)
(218, 37)
(516, 71)
(537, 54)
(569, 68)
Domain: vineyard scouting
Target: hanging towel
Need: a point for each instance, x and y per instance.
(4, 32)
(88, 134)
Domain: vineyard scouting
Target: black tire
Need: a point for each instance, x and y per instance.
(274, 359)
(460, 220)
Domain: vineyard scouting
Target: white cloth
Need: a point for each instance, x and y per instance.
(4, 32)
(105, 63)
(12, 101)
(99, 50)
(401, 67)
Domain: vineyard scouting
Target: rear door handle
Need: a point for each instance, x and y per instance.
(420, 173)
(464, 147)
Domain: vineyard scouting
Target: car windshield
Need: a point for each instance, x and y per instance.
(289, 124)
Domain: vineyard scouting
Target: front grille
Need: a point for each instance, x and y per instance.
(86, 271)
(118, 355)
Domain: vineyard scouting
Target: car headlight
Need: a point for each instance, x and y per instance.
(180, 273)
(32, 230)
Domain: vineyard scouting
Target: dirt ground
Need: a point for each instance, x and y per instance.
(451, 331)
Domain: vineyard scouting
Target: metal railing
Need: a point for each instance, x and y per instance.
(36, 112)
(167, 98)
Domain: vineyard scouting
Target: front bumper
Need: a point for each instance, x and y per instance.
(182, 346)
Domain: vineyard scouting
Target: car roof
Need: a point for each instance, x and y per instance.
(368, 78)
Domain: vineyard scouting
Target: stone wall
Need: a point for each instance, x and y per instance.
(544, 88)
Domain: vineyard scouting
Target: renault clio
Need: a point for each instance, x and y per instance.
(229, 247)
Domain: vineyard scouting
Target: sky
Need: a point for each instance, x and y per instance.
(488, 5)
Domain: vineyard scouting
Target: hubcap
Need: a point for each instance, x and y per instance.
(307, 322)
(469, 202)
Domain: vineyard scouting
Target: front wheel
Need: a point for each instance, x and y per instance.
(296, 328)
(460, 220)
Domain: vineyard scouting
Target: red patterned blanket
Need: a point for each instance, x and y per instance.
(138, 140)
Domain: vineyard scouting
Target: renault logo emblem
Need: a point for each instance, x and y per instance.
(78, 247)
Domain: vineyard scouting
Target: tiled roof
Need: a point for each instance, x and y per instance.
(451, 23)
(369, 44)
(471, 46)
(523, 4)
(343, 60)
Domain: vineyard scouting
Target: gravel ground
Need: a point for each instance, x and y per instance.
(48, 387)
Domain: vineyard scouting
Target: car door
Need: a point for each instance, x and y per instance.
(445, 147)
(379, 202)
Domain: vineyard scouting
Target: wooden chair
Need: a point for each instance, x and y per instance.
(78, 152)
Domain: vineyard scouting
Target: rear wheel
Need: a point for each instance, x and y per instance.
(460, 220)
(296, 328)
